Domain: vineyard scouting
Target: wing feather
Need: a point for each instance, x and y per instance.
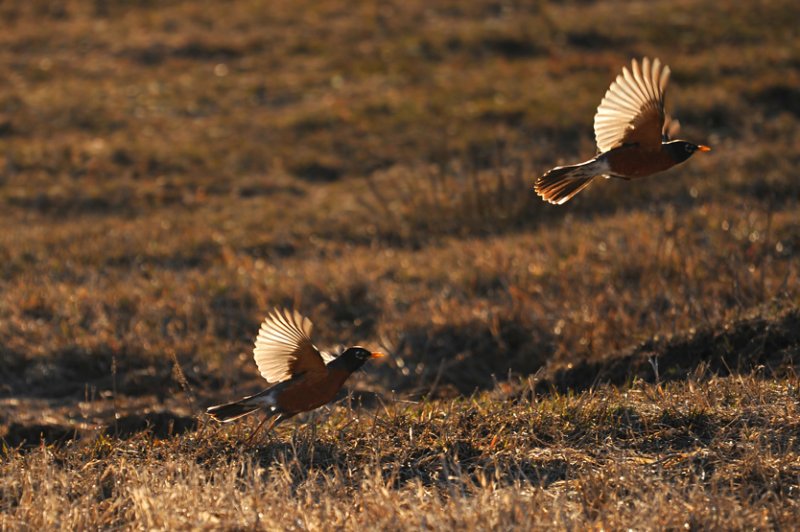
(284, 348)
(632, 110)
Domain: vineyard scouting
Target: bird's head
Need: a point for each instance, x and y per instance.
(680, 150)
(355, 357)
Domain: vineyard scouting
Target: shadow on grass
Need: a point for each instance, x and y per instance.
(459, 359)
(461, 466)
(160, 425)
(464, 465)
(156, 425)
(26, 436)
(771, 343)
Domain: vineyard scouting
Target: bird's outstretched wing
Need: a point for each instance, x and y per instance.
(284, 349)
(632, 111)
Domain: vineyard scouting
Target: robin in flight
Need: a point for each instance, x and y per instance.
(632, 134)
(302, 377)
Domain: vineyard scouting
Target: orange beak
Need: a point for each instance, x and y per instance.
(703, 148)
(377, 354)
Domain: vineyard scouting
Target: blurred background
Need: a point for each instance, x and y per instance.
(170, 171)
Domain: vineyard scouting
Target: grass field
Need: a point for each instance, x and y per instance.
(170, 171)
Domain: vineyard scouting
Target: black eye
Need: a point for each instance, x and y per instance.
(689, 148)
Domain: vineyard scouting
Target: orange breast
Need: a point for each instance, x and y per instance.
(308, 394)
(633, 161)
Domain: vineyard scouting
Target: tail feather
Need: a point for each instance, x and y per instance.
(230, 411)
(561, 183)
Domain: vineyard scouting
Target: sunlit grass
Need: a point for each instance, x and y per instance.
(171, 171)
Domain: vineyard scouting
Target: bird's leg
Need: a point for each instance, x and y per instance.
(274, 422)
(275, 419)
(253, 435)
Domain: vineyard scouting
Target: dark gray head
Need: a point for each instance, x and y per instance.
(680, 150)
(353, 358)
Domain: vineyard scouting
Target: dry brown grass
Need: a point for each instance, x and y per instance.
(701, 453)
(169, 171)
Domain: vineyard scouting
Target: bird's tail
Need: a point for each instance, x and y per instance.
(561, 183)
(231, 411)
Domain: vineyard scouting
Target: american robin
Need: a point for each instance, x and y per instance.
(632, 134)
(303, 377)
